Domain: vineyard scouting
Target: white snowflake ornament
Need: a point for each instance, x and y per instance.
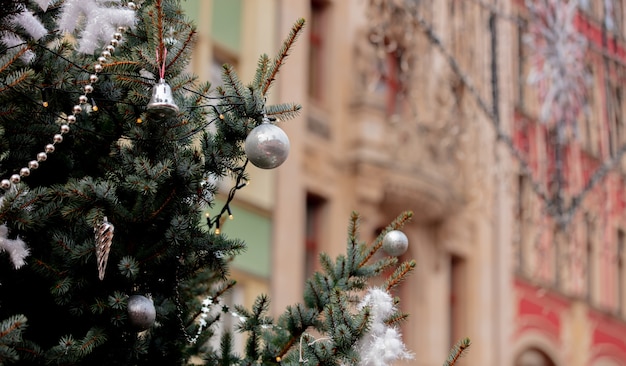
(93, 21)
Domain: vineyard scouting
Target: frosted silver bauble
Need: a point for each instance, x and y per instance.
(141, 312)
(162, 101)
(395, 243)
(267, 146)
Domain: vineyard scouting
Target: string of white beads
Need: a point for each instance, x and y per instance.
(76, 110)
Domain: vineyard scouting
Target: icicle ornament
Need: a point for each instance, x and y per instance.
(104, 239)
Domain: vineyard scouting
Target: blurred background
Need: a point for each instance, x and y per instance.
(499, 123)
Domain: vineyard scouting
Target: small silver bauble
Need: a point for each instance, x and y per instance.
(141, 312)
(267, 146)
(58, 138)
(65, 128)
(98, 67)
(77, 109)
(33, 164)
(88, 89)
(102, 59)
(15, 178)
(93, 78)
(162, 101)
(82, 99)
(114, 42)
(395, 243)
(131, 5)
(5, 184)
(42, 156)
(106, 54)
(24, 172)
(71, 119)
(110, 49)
(49, 148)
(117, 36)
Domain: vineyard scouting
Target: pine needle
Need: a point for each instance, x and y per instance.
(457, 351)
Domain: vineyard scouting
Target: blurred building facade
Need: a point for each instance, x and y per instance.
(430, 111)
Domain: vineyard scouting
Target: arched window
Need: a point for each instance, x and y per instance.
(533, 357)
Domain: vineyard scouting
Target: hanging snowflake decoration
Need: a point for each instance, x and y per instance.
(557, 61)
(93, 21)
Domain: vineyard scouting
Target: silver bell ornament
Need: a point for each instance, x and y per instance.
(141, 312)
(267, 145)
(162, 101)
(395, 243)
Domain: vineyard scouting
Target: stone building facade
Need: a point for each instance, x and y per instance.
(429, 109)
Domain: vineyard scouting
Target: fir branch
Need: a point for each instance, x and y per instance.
(262, 67)
(15, 57)
(283, 53)
(399, 274)
(457, 351)
(190, 37)
(284, 111)
(11, 327)
(396, 318)
(16, 79)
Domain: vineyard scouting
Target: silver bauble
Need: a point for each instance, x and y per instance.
(162, 101)
(267, 146)
(141, 312)
(395, 243)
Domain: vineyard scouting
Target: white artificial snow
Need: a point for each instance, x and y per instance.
(16, 248)
(31, 24)
(382, 344)
(43, 4)
(557, 51)
(95, 20)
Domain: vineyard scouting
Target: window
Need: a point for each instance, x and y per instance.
(615, 115)
(533, 357)
(621, 237)
(458, 299)
(318, 48)
(522, 186)
(591, 259)
(315, 206)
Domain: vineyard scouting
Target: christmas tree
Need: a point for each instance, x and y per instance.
(109, 154)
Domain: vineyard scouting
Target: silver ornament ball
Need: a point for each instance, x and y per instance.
(5, 184)
(395, 243)
(267, 146)
(141, 312)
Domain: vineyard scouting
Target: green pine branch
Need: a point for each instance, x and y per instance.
(457, 351)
